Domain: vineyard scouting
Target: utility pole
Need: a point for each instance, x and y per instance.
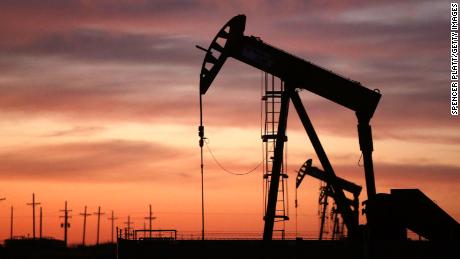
(2, 199)
(201, 142)
(33, 204)
(98, 213)
(66, 224)
(84, 214)
(41, 223)
(11, 223)
(128, 226)
(150, 218)
(112, 218)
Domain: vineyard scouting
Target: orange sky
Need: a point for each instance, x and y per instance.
(99, 107)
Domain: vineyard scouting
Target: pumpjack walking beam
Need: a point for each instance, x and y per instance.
(308, 169)
(231, 42)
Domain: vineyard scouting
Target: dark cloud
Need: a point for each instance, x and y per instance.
(106, 161)
(129, 7)
(388, 53)
(75, 131)
(22, 21)
(91, 103)
(126, 93)
(103, 46)
(421, 138)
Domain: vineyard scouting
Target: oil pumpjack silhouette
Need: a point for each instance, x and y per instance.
(388, 215)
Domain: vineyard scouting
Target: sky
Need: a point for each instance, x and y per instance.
(99, 107)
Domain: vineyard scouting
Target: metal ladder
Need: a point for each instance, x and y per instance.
(271, 103)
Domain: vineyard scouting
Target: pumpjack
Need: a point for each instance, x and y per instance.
(355, 190)
(388, 215)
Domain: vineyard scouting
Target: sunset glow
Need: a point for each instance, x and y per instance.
(99, 107)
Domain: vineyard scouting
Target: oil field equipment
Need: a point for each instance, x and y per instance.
(388, 215)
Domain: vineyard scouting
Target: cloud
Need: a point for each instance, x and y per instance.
(103, 161)
(120, 92)
(408, 173)
(99, 61)
(77, 130)
(174, 17)
(95, 45)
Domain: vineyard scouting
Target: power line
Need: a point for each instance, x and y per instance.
(225, 169)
